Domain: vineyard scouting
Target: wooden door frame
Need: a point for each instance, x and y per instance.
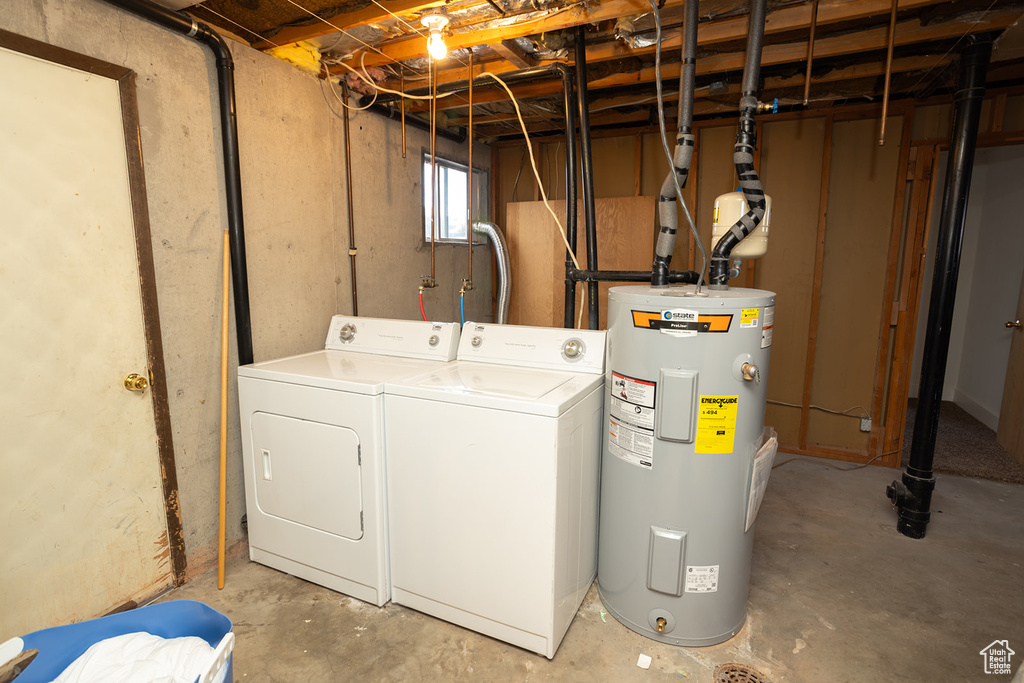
(125, 79)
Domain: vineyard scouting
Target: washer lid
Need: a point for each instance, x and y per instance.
(522, 390)
(359, 373)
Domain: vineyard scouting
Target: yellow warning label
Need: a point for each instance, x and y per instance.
(749, 317)
(716, 424)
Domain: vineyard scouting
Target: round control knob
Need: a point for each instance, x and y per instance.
(573, 349)
(477, 341)
(348, 332)
(434, 340)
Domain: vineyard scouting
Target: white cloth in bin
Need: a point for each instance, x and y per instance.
(140, 658)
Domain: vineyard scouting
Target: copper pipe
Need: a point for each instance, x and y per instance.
(351, 210)
(401, 73)
(888, 71)
(810, 52)
(469, 175)
(433, 163)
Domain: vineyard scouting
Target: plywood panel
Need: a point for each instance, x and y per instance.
(791, 167)
(626, 230)
(860, 208)
(536, 260)
(1013, 117)
(932, 121)
(613, 167)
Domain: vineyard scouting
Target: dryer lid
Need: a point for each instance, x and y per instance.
(358, 373)
(521, 390)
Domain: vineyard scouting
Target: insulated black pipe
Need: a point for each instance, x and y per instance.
(687, 277)
(458, 136)
(587, 160)
(912, 497)
(682, 158)
(184, 24)
(743, 152)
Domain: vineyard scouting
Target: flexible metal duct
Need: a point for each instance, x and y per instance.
(491, 231)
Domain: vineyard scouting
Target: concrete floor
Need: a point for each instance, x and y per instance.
(836, 595)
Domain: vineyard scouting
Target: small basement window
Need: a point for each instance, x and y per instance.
(450, 202)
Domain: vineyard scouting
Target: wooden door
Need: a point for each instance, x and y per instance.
(1011, 414)
(82, 498)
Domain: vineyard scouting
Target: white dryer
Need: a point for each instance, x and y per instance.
(313, 450)
(493, 479)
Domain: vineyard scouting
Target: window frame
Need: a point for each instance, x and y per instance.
(481, 205)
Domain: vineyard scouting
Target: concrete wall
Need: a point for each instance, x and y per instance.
(293, 174)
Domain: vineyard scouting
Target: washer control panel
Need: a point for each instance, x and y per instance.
(406, 338)
(533, 347)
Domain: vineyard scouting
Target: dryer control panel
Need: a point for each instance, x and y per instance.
(533, 347)
(404, 338)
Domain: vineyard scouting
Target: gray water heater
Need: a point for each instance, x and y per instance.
(684, 417)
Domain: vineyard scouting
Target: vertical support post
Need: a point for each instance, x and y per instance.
(913, 496)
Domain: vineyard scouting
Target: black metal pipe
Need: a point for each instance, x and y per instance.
(688, 277)
(587, 161)
(743, 152)
(912, 497)
(458, 136)
(184, 24)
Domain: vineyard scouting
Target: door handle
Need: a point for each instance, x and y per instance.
(136, 382)
(1013, 323)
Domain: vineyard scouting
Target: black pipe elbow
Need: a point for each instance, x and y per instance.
(659, 271)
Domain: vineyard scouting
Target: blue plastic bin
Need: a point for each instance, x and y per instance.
(61, 645)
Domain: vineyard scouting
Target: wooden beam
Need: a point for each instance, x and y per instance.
(789, 18)
(907, 33)
(513, 53)
(370, 13)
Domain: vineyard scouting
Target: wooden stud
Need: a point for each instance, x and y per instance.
(819, 262)
(882, 358)
(998, 113)
(638, 159)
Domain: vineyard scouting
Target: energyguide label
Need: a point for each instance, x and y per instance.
(716, 424)
(750, 317)
(631, 425)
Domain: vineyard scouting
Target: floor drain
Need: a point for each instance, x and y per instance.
(731, 672)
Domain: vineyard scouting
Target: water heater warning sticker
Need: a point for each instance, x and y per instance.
(716, 424)
(702, 579)
(631, 427)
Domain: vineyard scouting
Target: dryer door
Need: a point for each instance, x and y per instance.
(308, 473)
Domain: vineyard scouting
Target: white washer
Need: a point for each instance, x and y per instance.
(493, 478)
(313, 450)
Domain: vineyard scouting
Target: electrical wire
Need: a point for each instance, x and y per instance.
(540, 185)
(832, 467)
(664, 143)
(379, 88)
(516, 183)
(246, 29)
(953, 47)
(345, 104)
(863, 414)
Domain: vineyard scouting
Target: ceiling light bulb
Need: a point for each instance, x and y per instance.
(435, 45)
